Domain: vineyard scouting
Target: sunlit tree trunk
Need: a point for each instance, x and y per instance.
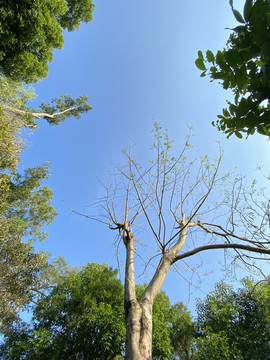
(138, 314)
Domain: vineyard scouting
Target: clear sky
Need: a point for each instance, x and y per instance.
(136, 63)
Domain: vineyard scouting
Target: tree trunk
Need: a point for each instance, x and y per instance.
(138, 315)
(138, 331)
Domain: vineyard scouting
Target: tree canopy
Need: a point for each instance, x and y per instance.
(31, 30)
(244, 67)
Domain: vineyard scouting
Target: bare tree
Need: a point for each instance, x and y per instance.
(176, 202)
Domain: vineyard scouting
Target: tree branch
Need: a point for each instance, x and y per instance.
(37, 115)
(221, 246)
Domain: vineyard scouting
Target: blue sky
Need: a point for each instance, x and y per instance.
(135, 61)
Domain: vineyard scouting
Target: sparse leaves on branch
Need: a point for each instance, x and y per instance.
(181, 207)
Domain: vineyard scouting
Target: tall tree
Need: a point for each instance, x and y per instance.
(244, 67)
(31, 30)
(235, 324)
(177, 202)
(25, 203)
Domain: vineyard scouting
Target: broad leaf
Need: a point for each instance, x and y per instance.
(238, 16)
(200, 55)
(247, 9)
(238, 134)
(200, 64)
(210, 56)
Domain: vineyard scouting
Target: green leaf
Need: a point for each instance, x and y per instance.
(238, 16)
(210, 56)
(239, 29)
(230, 58)
(200, 64)
(238, 134)
(220, 58)
(232, 109)
(247, 9)
(200, 54)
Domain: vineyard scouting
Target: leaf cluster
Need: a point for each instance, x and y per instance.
(244, 67)
(59, 107)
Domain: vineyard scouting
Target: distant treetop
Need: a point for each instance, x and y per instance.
(31, 29)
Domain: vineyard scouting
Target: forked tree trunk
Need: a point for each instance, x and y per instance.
(138, 314)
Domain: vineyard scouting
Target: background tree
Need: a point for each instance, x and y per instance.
(176, 202)
(183, 332)
(82, 317)
(244, 67)
(234, 324)
(31, 30)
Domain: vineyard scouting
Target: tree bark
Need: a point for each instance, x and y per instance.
(34, 114)
(138, 314)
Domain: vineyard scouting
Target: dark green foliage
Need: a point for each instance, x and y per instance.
(81, 318)
(26, 203)
(235, 324)
(31, 29)
(244, 67)
(83, 315)
(183, 331)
